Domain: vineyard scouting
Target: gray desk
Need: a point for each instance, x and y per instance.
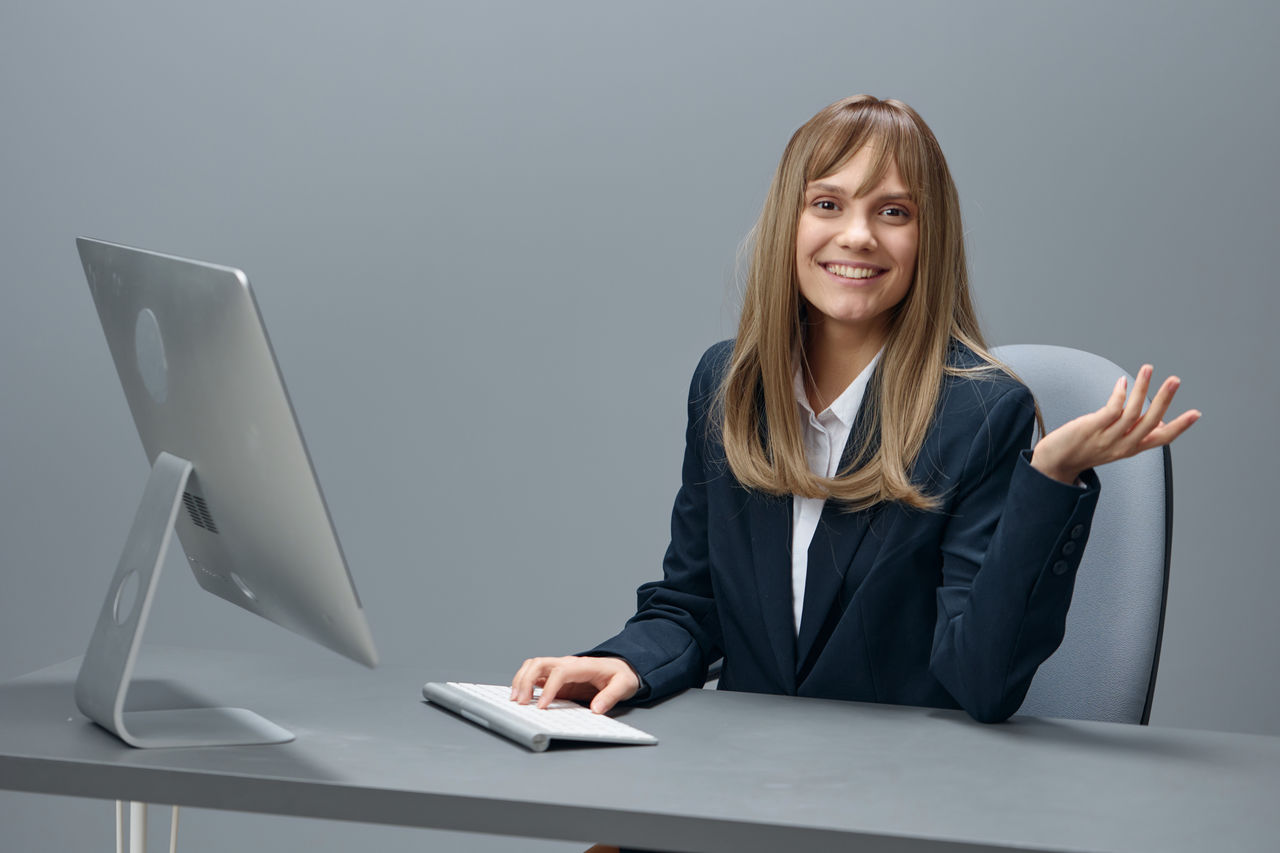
(733, 771)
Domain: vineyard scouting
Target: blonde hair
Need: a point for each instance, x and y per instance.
(756, 403)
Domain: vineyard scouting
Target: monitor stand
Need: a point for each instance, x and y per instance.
(108, 664)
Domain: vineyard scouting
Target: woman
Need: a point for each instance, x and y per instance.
(859, 517)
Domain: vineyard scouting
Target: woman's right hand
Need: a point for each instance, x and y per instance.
(603, 681)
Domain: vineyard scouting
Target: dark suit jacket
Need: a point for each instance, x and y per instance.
(955, 607)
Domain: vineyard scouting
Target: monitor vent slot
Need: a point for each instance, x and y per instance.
(198, 510)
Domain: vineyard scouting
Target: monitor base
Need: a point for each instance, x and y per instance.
(200, 727)
(108, 663)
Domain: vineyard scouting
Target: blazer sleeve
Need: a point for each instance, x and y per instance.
(1010, 552)
(675, 634)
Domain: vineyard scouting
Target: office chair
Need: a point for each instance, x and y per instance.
(1105, 668)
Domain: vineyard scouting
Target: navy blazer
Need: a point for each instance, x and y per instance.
(950, 608)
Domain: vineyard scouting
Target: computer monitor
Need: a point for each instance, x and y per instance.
(230, 473)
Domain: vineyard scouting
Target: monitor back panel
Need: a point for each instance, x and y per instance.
(202, 383)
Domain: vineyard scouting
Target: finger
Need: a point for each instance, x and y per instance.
(534, 671)
(1156, 411)
(621, 686)
(1137, 399)
(1166, 433)
(1100, 420)
(526, 680)
(1114, 407)
(517, 680)
(551, 687)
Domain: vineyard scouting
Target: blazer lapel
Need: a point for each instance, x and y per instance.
(770, 523)
(834, 544)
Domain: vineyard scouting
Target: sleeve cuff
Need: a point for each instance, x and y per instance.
(1087, 480)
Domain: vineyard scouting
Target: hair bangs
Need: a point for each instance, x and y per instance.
(880, 126)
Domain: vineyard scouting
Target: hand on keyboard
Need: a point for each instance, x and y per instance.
(604, 682)
(490, 705)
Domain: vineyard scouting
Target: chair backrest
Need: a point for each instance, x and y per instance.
(1105, 668)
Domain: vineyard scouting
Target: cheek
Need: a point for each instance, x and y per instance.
(809, 239)
(910, 266)
(908, 252)
(802, 247)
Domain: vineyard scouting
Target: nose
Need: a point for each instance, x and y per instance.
(857, 234)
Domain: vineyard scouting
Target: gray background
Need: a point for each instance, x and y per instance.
(490, 241)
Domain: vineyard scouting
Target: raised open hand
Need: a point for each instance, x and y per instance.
(1118, 430)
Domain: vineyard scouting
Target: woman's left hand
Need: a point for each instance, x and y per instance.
(1118, 430)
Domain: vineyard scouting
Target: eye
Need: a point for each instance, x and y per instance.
(825, 204)
(897, 212)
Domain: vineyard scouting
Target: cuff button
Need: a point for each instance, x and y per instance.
(1060, 567)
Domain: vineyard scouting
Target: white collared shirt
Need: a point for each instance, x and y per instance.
(825, 435)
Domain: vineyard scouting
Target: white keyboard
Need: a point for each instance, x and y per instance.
(490, 705)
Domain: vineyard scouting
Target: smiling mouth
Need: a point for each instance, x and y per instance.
(846, 271)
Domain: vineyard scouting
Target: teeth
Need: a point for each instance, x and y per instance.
(851, 272)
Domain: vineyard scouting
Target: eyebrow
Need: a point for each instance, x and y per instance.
(836, 189)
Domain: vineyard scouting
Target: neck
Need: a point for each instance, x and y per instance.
(834, 356)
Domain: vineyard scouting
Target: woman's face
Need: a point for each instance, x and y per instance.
(856, 256)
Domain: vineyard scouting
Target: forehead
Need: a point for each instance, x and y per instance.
(870, 169)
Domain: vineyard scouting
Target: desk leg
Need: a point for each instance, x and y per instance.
(136, 824)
